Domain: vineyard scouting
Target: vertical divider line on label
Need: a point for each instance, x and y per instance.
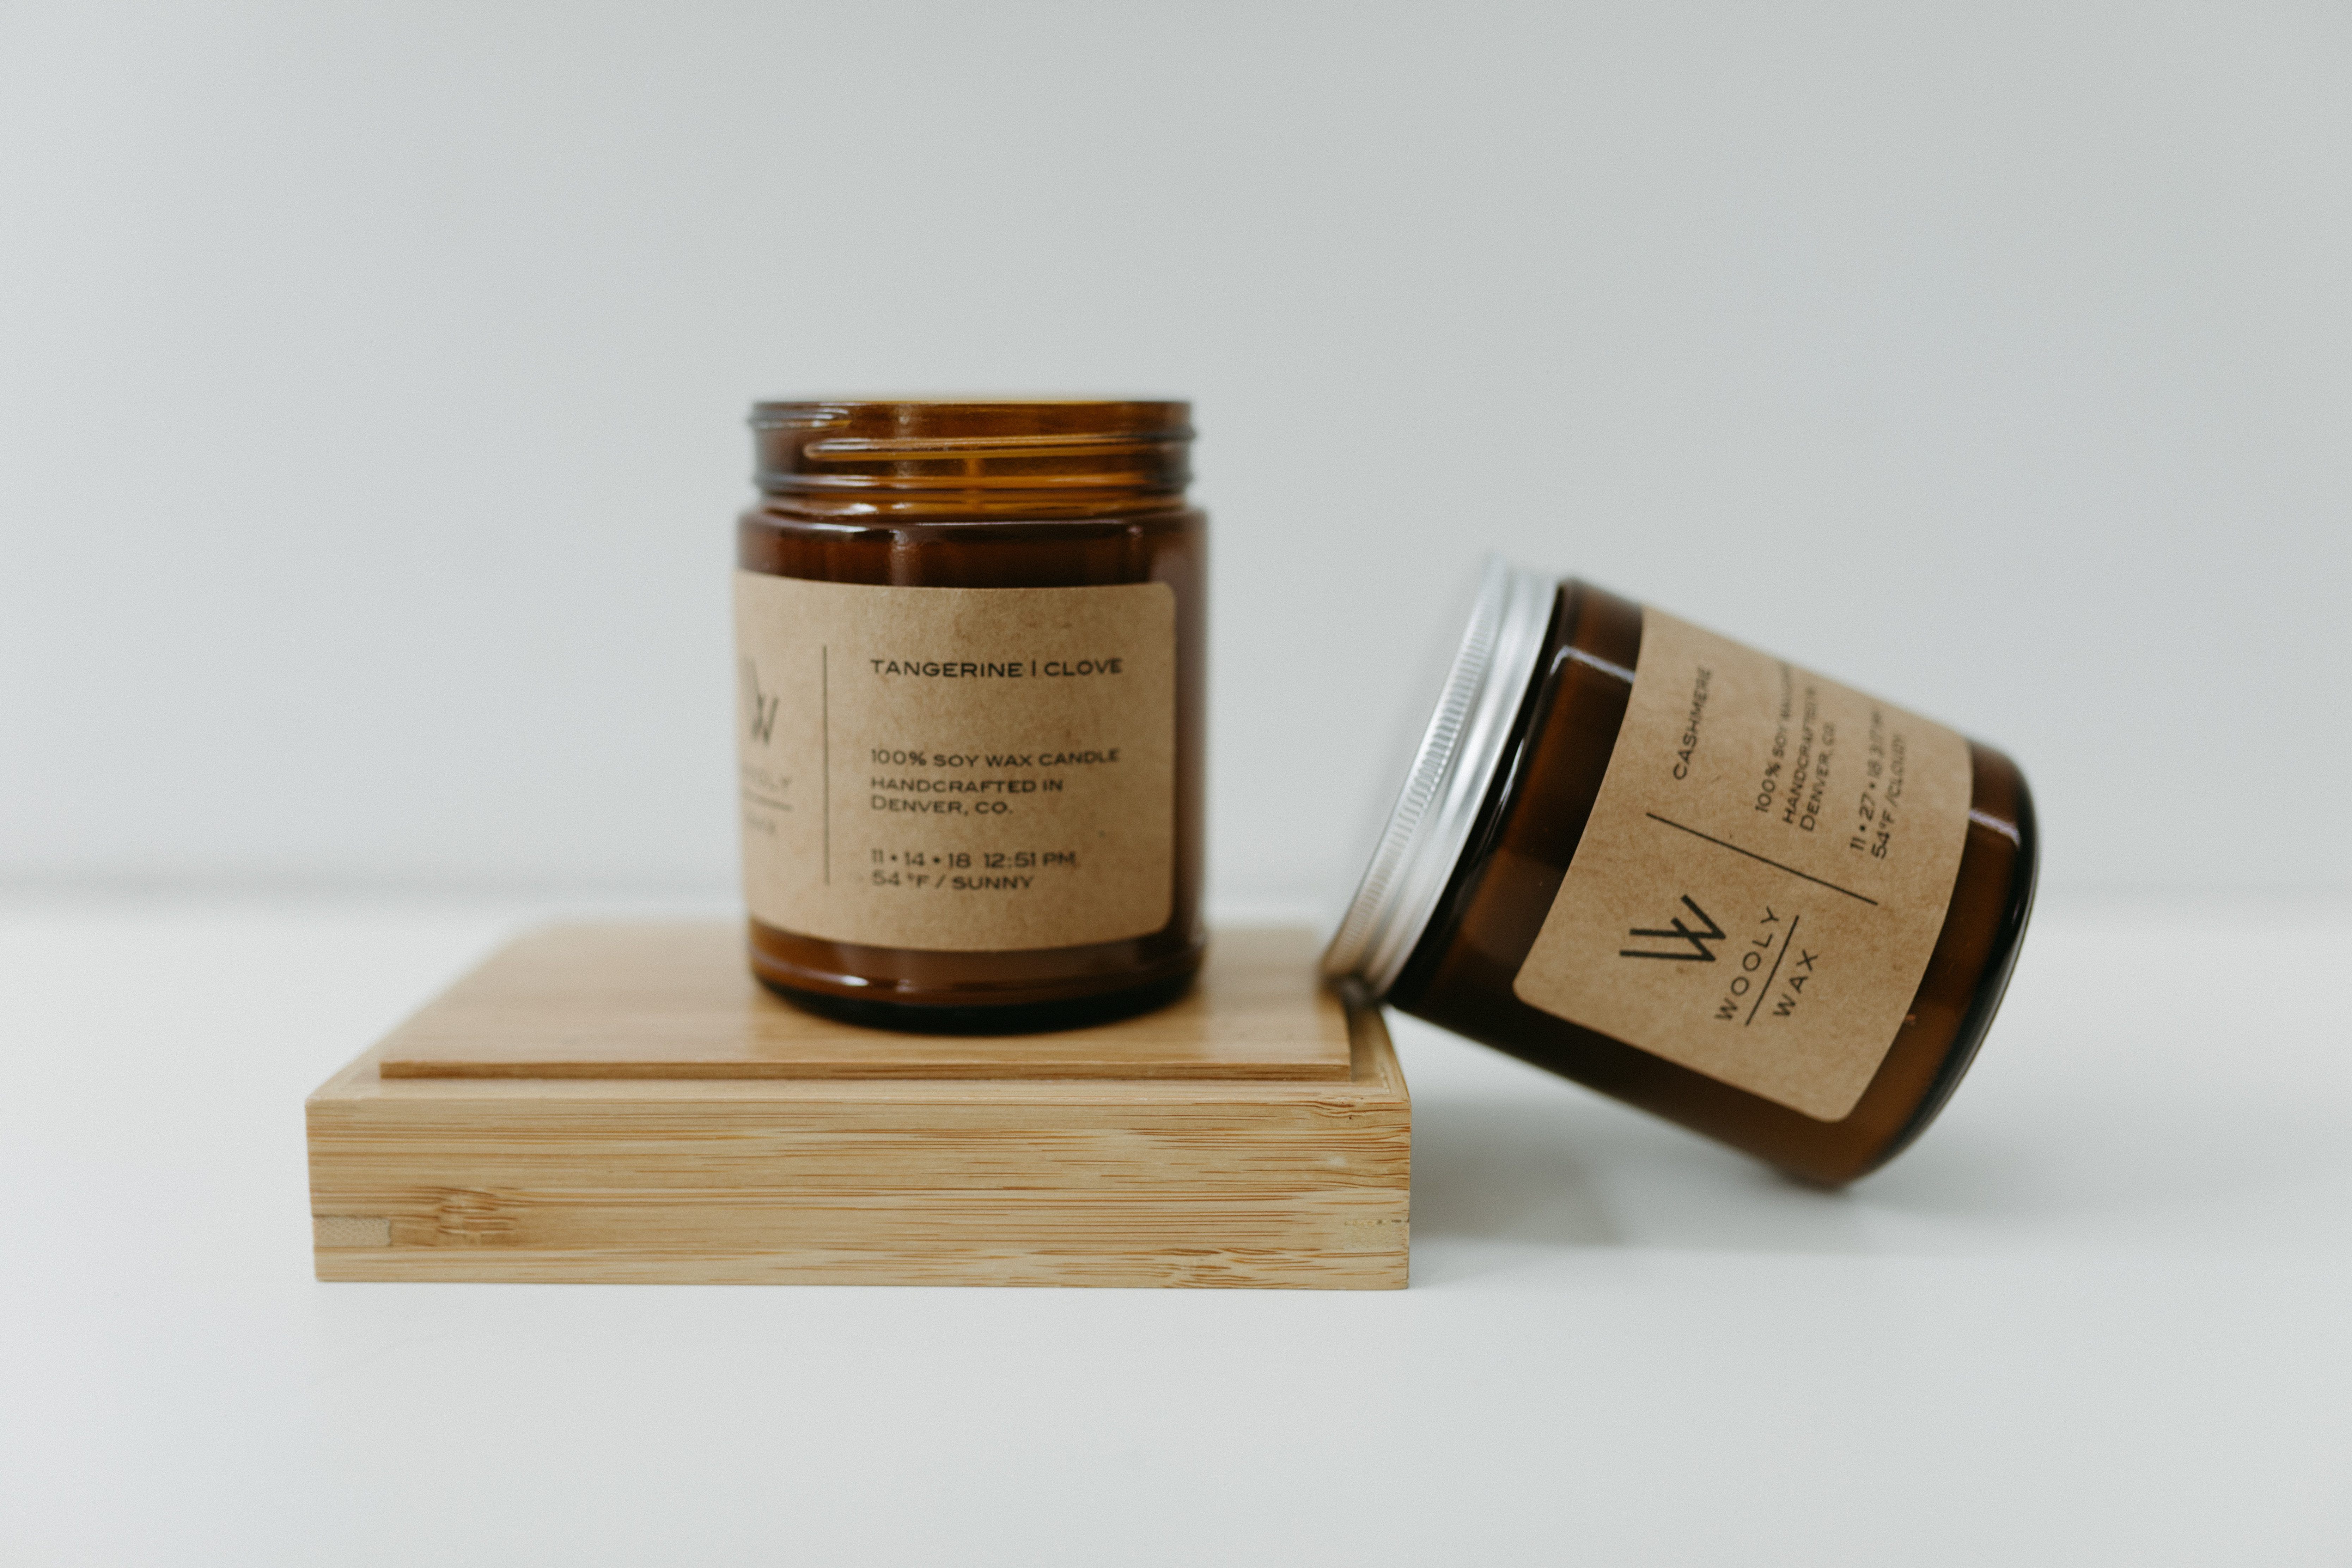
(1786, 938)
(824, 708)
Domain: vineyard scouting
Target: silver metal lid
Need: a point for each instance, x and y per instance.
(1457, 760)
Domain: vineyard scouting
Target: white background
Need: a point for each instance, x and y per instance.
(371, 394)
(372, 382)
(2097, 1316)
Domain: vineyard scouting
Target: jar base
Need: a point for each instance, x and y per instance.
(1001, 1018)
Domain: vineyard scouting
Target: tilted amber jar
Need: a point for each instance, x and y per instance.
(1452, 921)
(973, 641)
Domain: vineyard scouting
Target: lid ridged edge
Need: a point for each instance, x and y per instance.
(1459, 752)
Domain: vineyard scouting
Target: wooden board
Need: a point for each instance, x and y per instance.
(677, 1001)
(691, 1177)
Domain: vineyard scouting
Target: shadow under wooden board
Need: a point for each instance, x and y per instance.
(622, 1104)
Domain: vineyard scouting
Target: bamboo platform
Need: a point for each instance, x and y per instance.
(622, 1104)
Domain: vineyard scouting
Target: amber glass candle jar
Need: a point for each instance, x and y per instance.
(1698, 879)
(971, 645)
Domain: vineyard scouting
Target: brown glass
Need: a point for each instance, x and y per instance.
(1460, 974)
(1001, 494)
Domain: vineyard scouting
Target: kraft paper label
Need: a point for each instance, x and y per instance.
(957, 769)
(1766, 873)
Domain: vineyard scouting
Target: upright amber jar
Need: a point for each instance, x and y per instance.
(972, 653)
(1703, 880)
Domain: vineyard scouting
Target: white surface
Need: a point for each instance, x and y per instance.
(2098, 1315)
(371, 381)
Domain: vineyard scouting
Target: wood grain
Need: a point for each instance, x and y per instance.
(875, 1179)
(677, 1001)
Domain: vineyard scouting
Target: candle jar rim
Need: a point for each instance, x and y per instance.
(896, 454)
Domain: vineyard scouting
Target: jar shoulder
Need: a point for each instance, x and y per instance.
(1167, 545)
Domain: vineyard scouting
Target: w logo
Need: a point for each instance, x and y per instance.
(763, 716)
(1700, 953)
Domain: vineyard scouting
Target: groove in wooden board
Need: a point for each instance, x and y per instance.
(717, 1220)
(1103, 1161)
(676, 1001)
